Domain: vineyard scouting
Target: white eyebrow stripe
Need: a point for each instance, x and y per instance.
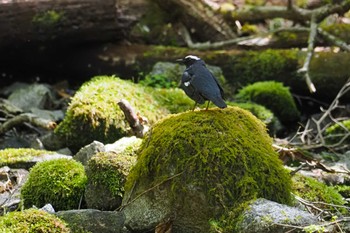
(192, 57)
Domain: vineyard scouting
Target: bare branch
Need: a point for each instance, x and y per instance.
(27, 118)
(333, 40)
(310, 50)
(135, 120)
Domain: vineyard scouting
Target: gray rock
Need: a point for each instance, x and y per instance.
(48, 208)
(85, 153)
(146, 211)
(94, 220)
(263, 216)
(123, 144)
(32, 96)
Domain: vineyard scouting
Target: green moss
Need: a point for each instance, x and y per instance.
(272, 95)
(32, 221)
(270, 64)
(337, 132)
(229, 219)
(11, 156)
(312, 190)
(94, 114)
(340, 30)
(48, 19)
(343, 190)
(158, 81)
(60, 182)
(173, 99)
(263, 114)
(110, 170)
(225, 153)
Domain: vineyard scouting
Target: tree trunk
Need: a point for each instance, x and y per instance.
(67, 21)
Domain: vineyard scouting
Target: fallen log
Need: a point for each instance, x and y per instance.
(67, 21)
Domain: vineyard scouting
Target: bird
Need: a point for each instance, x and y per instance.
(199, 83)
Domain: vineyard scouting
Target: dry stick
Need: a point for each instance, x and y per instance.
(208, 45)
(333, 105)
(26, 117)
(334, 40)
(310, 50)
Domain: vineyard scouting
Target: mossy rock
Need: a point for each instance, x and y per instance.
(270, 64)
(60, 182)
(15, 157)
(197, 164)
(336, 132)
(32, 221)
(315, 191)
(94, 114)
(274, 96)
(107, 172)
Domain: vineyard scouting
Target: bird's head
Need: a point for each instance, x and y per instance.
(188, 60)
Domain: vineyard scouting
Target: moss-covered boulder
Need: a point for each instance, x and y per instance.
(274, 96)
(94, 114)
(195, 165)
(60, 182)
(107, 172)
(32, 220)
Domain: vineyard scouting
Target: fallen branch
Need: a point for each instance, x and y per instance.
(135, 120)
(27, 118)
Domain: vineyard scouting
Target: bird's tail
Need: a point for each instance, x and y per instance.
(219, 102)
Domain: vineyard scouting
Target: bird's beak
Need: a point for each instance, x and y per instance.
(181, 61)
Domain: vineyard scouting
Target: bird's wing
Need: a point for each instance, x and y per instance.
(186, 85)
(221, 90)
(186, 79)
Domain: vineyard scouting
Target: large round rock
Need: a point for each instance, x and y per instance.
(194, 166)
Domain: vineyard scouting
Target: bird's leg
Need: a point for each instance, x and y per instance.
(207, 105)
(194, 107)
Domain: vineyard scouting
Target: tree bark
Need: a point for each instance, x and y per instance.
(67, 21)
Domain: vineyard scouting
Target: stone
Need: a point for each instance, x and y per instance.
(90, 220)
(264, 216)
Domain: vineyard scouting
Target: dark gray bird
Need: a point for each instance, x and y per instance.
(200, 84)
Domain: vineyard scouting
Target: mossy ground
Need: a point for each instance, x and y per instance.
(94, 114)
(226, 153)
(12, 156)
(32, 221)
(60, 182)
(274, 96)
(315, 191)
